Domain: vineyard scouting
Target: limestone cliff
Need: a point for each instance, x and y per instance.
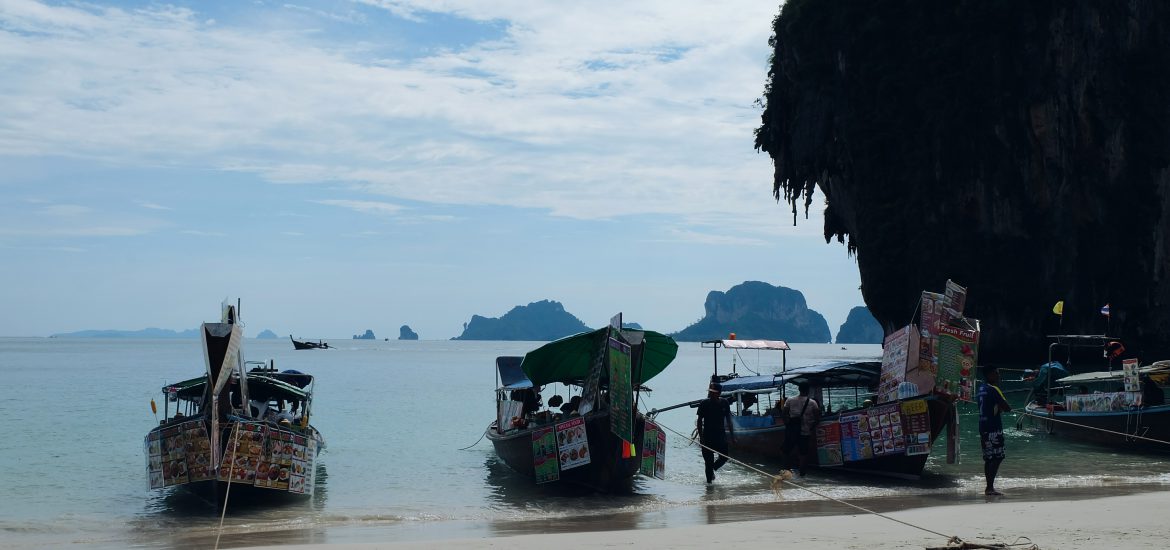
(538, 321)
(405, 333)
(860, 328)
(757, 310)
(1021, 149)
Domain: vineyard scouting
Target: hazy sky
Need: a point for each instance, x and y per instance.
(343, 166)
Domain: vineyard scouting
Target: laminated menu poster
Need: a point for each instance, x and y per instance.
(916, 426)
(653, 451)
(929, 320)
(1129, 368)
(275, 467)
(958, 351)
(895, 354)
(242, 453)
(829, 444)
(301, 465)
(621, 396)
(956, 296)
(572, 443)
(855, 437)
(174, 456)
(885, 430)
(199, 464)
(544, 455)
(153, 447)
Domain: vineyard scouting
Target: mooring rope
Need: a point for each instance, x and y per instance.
(1025, 412)
(481, 436)
(231, 473)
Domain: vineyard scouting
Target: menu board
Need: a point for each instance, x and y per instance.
(929, 321)
(621, 393)
(653, 451)
(198, 444)
(1129, 368)
(956, 296)
(957, 353)
(173, 446)
(544, 455)
(153, 447)
(1103, 401)
(916, 426)
(572, 443)
(276, 465)
(242, 453)
(855, 437)
(895, 354)
(829, 444)
(885, 430)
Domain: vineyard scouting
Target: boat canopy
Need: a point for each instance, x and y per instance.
(838, 373)
(260, 386)
(749, 344)
(511, 375)
(1160, 367)
(569, 359)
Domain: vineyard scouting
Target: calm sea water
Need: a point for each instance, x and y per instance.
(395, 415)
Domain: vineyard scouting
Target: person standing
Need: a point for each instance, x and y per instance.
(714, 413)
(991, 405)
(800, 415)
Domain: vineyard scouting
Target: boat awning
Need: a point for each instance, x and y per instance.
(750, 344)
(260, 386)
(1105, 376)
(511, 375)
(569, 359)
(838, 373)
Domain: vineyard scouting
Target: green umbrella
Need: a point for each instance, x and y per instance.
(570, 358)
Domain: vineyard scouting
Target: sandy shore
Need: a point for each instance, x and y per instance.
(1132, 521)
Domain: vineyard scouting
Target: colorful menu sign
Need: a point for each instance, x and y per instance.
(829, 444)
(198, 444)
(929, 320)
(621, 393)
(544, 455)
(957, 352)
(916, 426)
(895, 357)
(572, 443)
(1129, 369)
(855, 437)
(242, 453)
(653, 451)
(885, 430)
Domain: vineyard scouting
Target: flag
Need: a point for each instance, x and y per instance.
(1058, 308)
(1105, 310)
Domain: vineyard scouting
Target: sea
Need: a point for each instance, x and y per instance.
(405, 460)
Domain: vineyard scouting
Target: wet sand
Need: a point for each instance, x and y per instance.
(1081, 518)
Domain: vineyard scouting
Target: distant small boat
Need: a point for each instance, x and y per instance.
(297, 344)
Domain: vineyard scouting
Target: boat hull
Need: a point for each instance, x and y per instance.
(1114, 428)
(607, 470)
(761, 436)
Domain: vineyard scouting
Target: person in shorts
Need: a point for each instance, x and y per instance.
(991, 405)
(800, 416)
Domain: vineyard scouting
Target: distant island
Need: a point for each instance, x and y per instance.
(404, 333)
(266, 335)
(369, 335)
(144, 333)
(538, 321)
(758, 310)
(860, 328)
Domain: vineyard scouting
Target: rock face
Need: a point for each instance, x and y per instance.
(860, 328)
(1021, 149)
(538, 321)
(757, 310)
(266, 335)
(369, 335)
(404, 333)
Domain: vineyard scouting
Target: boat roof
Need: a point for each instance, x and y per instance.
(263, 385)
(837, 373)
(569, 359)
(748, 344)
(1082, 340)
(1118, 374)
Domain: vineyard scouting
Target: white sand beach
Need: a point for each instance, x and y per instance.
(1132, 521)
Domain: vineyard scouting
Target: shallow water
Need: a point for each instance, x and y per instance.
(395, 415)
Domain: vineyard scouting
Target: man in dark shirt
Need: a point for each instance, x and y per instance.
(991, 404)
(714, 413)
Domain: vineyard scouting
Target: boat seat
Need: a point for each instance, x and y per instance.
(555, 401)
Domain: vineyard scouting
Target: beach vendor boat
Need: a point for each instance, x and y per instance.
(1120, 406)
(298, 344)
(596, 438)
(241, 423)
(880, 418)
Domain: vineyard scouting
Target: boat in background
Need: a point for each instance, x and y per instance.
(298, 344)
(242, 422)
(1123, 406)
(592, 436)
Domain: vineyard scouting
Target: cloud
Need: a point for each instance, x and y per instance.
(589, 111)
(199, 233)
(152, 206)
(365, 207)
(66, 210)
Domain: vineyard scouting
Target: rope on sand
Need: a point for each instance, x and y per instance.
(1088, 427)
(953, 542)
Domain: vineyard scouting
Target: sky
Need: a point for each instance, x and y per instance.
(351, 165)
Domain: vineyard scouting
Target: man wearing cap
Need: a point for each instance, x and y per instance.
(714, 413)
